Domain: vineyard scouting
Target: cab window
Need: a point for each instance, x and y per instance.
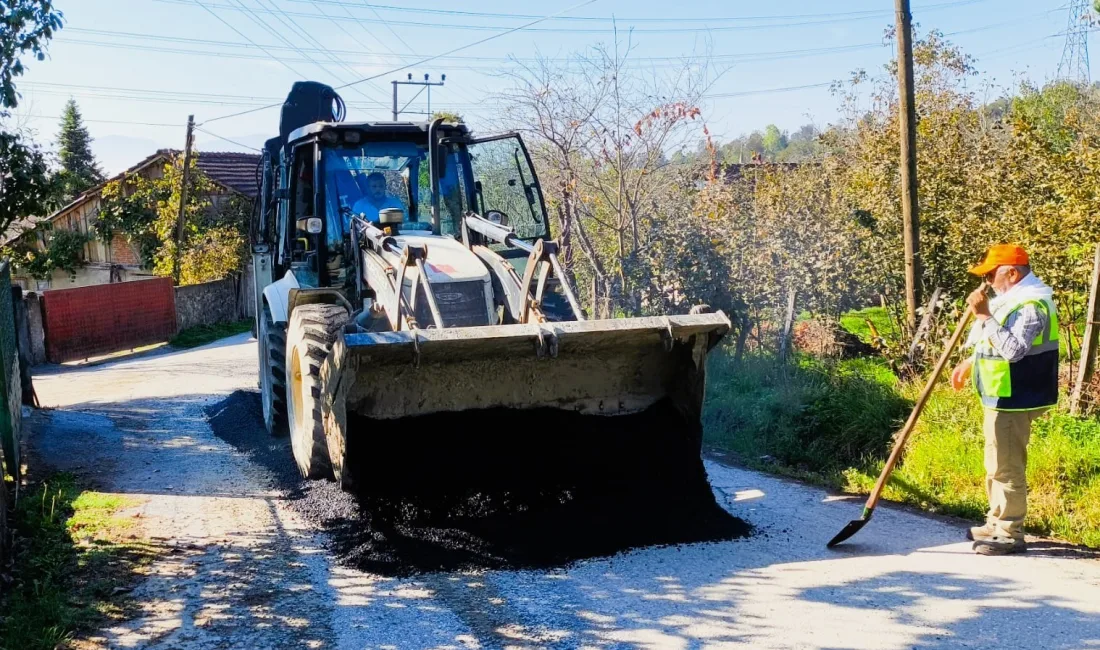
(364, 180)
(505, 183)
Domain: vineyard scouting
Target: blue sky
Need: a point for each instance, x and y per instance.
(139, 67)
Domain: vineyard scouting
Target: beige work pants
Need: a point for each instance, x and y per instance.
(1006, 438)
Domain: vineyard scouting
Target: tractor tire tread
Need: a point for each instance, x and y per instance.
(315, 327)
(276, 343)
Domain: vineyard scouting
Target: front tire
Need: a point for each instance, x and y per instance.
(313, 328)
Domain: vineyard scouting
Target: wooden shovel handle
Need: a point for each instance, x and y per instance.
(911, 423)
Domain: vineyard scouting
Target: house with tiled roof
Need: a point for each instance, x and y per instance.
(118, 260)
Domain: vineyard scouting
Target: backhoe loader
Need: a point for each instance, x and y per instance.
(406, 276)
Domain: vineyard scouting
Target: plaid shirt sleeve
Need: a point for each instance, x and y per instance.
(1013, 340)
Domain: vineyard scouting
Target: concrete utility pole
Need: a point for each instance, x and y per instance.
(183, 195)
(907, 119)
(409, 82)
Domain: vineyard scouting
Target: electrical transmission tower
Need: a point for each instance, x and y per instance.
(1075, 57)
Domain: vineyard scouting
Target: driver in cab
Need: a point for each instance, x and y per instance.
(376, 198)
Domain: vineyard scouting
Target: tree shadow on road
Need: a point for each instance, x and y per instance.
(945, 610)
(225, 568)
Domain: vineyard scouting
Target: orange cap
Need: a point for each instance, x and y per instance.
(1001, 255)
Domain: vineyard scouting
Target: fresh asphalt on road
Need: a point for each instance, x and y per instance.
(242, 567)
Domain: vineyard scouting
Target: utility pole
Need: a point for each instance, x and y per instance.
(409, 82)
(907, 120)
(183, 195)
(1091, 341)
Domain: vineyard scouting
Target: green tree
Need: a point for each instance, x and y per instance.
(145, 212)
(25, 185)
(25, 26)
(1053, 109)
(79, 170)
(215, 233)
(803, 145)
(448, 116)
(775, 140)
(43, 250)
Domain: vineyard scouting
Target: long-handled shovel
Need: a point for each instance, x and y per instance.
(855, 525)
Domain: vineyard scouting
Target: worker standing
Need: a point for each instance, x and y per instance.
(1015, 372)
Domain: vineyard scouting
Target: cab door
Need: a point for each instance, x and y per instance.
(305, 253)
(506, 187)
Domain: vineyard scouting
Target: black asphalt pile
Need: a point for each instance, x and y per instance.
(494, 490)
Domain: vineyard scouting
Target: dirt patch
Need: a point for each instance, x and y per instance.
(826, 338)
(501, 490)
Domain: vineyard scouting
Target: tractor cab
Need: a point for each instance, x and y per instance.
(340, 171)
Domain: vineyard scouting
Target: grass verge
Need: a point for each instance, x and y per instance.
(832, 423)
(73, 559)
(856, 323)
(814, 418)
(192, 337)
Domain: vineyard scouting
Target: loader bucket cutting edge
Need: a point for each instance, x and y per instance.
(600, 367)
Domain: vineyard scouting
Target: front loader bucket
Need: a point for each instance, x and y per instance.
(574, 380)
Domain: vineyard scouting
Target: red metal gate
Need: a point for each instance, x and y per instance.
(90, 321)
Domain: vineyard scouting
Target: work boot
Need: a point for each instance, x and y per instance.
(981, 532)
(1000, 545)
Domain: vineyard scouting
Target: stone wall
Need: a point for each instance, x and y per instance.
(224, 301)
(36, 331)
(208, 303)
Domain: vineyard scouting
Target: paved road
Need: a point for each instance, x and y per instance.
(242, 570)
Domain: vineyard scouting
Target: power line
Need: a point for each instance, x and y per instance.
(766, 91)
(274, 32)
(146, 99)
(386, 23)
(767, 55)
(430, 58)
(608, 30)
(389, 27)
(88, 119)
(242, 35)
(36, 84)
(677, 60)
(239, 144)
(341, 28)
(331, 56)
(107, 92)
(650, 19)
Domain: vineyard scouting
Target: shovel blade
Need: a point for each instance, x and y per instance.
(852, 528)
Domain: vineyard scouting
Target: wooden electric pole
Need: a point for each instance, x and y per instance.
(907, 120)
(183, 196)
(1090, 344)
